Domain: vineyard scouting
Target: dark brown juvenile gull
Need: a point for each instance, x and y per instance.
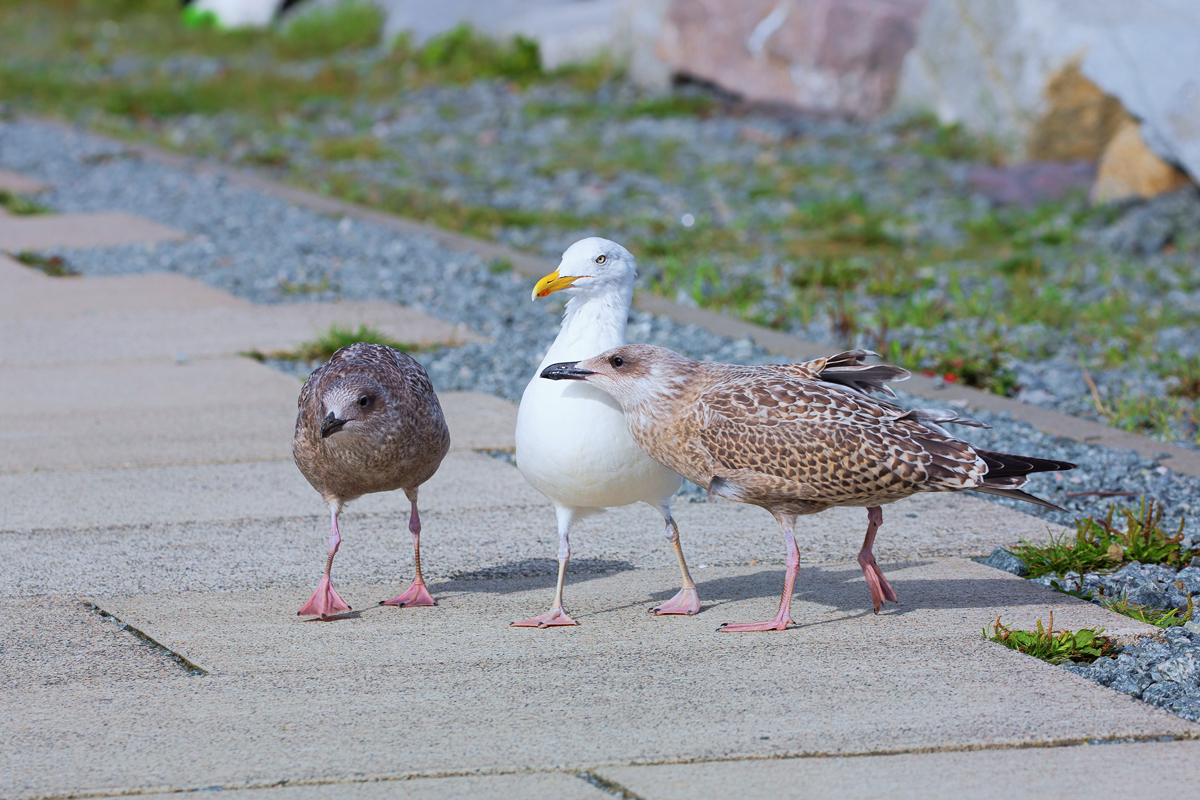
(369, 421)
(797, 439)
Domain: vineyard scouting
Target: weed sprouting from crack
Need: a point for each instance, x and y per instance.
(1099, 544)
(330, 341)
(1082, 646)
(51, 266)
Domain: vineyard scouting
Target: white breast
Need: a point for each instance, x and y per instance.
(572, 442)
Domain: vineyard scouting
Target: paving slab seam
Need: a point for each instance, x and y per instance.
(589, 774)
(138, 791)
(1052, 422)
(179, 658)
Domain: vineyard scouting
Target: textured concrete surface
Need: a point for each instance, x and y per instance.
(19, 184)
(86, 337)
(1165, 768)
(251, 525)
(42, 297)
(395, 692)
(145, 412)
(103, 229)
(479, 421)
(541, 786)
(56, 641)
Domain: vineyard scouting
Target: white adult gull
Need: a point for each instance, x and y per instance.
(573, 444)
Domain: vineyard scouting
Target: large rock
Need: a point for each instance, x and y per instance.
(239, 13)
(1128, 168)
(1153, 67)
(567, 31)
(841, 56)
(1045, 77)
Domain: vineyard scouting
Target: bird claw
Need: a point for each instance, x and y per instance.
(415, 595)
(554, 618)
(687, 601)
(777, 624)
(325, 601)
(881, 590)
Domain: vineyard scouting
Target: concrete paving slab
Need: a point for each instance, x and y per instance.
(144, 413)
(479, 421)
(55, 298)
(52, 641)
(943, 600)
(259, 524)
(83, 337)
(18, 278)
(103, 229)
(393, 692)
(1156, 769)
(540, 786)
(19, 184)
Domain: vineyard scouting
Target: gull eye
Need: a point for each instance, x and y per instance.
(364, 401)
(617, 361)
(600, 259)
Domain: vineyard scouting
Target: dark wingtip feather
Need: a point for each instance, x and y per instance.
(1017, 494)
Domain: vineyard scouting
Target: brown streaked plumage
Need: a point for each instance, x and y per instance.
(368, 421)
(797, 439)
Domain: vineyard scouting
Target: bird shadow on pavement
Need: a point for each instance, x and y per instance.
(844, 590)
(533, 573)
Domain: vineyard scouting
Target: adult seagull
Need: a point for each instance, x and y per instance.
(572, 441)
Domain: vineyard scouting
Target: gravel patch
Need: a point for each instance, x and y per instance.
(1163, 672)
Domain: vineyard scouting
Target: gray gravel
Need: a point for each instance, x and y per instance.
(266, 251)
(1163, 672)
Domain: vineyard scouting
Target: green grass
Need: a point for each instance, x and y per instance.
(329, 341)
(53, 266)
(1056, 647)
(1101, 545)
(1168, 618)
(20, 206)
(350, 25)
(349, 148)
(463, 55)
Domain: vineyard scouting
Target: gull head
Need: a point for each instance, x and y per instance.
(589, 268)
(635, 375)
(352, 403)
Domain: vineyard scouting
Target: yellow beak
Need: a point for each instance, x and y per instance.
(552, 283)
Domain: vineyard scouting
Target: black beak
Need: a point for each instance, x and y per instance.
(566, 371)
(331, 424)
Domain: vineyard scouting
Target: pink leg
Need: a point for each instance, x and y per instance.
(687, 601)
(784, 617)
(416, 594)
(880, 589)
(557, 615)
(326, 602)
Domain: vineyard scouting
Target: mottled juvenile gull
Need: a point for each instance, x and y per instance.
(797, 439)
(369, 421)
(572, 441)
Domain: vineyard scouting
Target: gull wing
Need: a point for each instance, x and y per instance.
(773, 437)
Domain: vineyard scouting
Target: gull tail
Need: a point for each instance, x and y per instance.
(1007, 473)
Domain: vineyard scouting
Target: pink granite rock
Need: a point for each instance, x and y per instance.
(837, 56)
